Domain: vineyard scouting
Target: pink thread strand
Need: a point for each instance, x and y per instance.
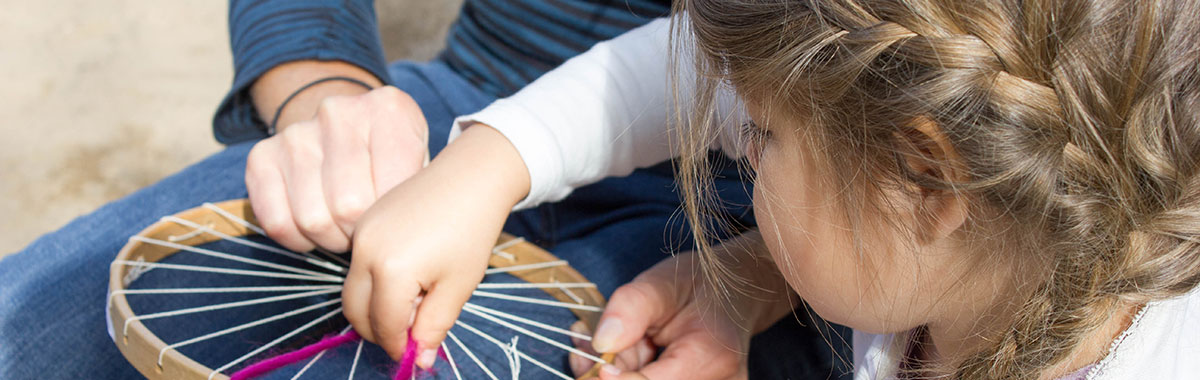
(266, 366)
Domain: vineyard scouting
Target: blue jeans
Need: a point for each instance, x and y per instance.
(52, 317)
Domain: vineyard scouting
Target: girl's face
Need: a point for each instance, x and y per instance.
(891, 284)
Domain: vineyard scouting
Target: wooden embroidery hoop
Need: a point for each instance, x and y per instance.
(142, 347)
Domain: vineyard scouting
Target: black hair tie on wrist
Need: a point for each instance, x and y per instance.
(279, 111)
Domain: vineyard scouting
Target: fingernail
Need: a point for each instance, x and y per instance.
(610, 370)
(426, 358)
(607, 334)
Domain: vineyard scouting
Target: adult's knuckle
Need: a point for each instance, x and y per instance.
(347, 208)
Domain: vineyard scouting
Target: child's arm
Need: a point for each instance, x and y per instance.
(602, 114)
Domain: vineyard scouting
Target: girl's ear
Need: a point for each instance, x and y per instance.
(927, 154)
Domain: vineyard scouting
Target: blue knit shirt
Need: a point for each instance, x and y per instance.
(498, 45)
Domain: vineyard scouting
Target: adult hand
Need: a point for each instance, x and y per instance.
(310, 183)
(666, 306)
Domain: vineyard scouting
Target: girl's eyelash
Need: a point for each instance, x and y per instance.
(754, 132)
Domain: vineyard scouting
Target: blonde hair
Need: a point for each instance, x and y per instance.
(1077, 122)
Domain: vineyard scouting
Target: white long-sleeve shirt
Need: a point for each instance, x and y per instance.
(605, 113)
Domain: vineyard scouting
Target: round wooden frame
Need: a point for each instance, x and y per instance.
(141, 347)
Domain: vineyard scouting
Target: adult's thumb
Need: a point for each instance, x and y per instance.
(633, 309)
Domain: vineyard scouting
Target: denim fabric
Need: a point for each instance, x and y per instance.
(52, 317)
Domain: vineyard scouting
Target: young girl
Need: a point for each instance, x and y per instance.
(1005, 189)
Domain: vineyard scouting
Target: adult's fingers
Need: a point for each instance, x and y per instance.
(437, 313)
(346, 169)
(399, 148)
(306, 194)
(634, 308)
(697, 355)
(392, 300)
(269, 197)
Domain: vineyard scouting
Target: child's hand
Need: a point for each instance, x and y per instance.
(429, 239)
(663, 307)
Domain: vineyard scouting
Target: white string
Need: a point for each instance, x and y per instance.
(177, 238)
(498, 250)
(230, 257)
(244, 289)
(252, 244)
(278, 340)
(522, 354)
(534, 335)
(535, 285)
(449, 358)
(318, 357)
(332, 256)
(514, 361)
(223, 306)
(516, 268)
(471, 355)
(259, 230)
(244, 326)
(357, 354)
(481, 293)
(229, 305)
(234, 218)
(571, 294)
(527, 321)
(238, 272)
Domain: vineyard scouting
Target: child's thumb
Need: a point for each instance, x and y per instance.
(634, 308)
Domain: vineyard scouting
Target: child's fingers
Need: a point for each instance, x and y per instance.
(391, 307)
(356, 302)
(437, 314)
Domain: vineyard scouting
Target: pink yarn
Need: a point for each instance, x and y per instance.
(266, 366)
(408, 363)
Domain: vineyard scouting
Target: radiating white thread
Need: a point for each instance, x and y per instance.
(252, 244)
(514, 360)
(535, 285)
(517, 268)
(481, 293)
(242, 289)
(279, 340)
(237, 272)
(357, 354)
(235, 218)
(522, 354)
(571, 294)
(528, 321)
(244, 326)
(471, 355)
(228, 305)
(498, 250)
(189, 235)
(450, 358)
(231, 257)
(534, 335)
(259, 230)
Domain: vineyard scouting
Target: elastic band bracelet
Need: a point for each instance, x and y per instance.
(279, 111)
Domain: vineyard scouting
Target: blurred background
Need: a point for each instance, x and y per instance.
(101, 98)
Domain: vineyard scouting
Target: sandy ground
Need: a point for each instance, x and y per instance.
(101, 98)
